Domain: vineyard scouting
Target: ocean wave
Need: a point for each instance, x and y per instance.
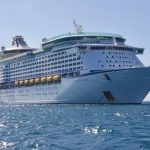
(4, 144)
(95, 130)
(119, 114)
(2, 125)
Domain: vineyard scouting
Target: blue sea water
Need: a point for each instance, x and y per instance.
(75, 127)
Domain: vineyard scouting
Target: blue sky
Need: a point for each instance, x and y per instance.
(35, 19)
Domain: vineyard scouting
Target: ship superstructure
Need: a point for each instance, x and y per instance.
(73, 68)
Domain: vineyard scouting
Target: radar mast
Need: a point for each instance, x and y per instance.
(78, 28)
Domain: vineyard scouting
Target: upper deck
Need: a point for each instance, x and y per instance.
(76, 38)
(82, 41)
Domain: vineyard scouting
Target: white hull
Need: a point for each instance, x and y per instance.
(126, 86)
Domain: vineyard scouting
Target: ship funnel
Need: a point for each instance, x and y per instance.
(18, 41)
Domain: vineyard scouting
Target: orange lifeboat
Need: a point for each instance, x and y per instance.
(43, 79)
(56, 78)
(26, 82)
(49, 78)
(21, 82)
(31, 81)
(37, 80)
(16, 82)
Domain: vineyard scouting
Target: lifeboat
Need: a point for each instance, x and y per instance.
(49, 78)
(16, 82)
(43, 79)
(37, 80)
(56, 78)
(31, 81)
(21, 82)
(26, 81)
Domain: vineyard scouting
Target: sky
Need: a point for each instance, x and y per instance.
(37, 19)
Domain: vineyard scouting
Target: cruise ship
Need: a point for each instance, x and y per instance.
(82, 68)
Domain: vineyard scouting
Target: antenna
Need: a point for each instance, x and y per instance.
(2, 49)
(78, 28)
